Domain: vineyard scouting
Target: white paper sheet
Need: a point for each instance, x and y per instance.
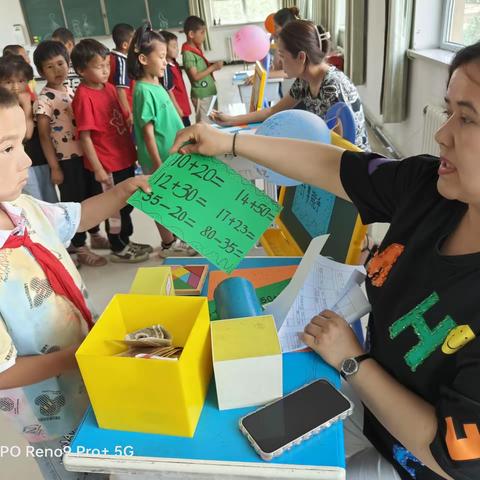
(329, 285)
(353, 305)
(280, 307)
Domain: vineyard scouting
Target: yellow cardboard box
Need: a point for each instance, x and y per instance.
(153, 281)
(247, 361)
(149, 395)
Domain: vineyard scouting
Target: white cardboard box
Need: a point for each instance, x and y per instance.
(247, 361)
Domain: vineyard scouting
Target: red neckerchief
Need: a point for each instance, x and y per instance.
(186, 47)
(60, 280)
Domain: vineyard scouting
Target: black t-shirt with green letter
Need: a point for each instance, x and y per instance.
(425, 318)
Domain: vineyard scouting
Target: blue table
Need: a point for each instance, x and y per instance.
(218, 449)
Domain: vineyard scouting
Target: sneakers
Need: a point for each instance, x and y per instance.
(142, 246)
(177, 248)
(86, 257)
(129, 254)
(99, 242)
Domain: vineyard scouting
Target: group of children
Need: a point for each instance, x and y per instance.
(99, 113)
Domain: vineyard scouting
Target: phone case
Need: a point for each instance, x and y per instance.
(270, 456)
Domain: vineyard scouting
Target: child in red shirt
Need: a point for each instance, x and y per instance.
(109, 153)
(173, 76)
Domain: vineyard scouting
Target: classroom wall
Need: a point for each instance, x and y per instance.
(10, 14)
(427, 78)
(218, 40)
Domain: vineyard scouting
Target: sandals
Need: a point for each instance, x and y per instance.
(99, 242)
(86, 257)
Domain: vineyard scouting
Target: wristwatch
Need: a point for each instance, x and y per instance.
(350, 365)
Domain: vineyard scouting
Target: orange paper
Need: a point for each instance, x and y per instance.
(258, 276)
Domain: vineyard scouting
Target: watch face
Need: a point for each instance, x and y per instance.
(349, 366)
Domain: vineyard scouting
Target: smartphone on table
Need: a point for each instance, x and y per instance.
(283, 423)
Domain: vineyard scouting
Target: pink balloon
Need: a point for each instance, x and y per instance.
(251, 43)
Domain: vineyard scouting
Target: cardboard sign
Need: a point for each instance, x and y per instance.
(208, 205)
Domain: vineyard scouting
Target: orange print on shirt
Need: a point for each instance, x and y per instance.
(467, 448)
(380, 265)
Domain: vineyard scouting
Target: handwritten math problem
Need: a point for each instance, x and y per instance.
(208, 205)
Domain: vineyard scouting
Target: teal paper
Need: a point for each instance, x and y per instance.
(313, 207)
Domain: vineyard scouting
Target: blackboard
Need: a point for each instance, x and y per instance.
(133, 12)
(84, 18)
(168, 13)
(43, 17)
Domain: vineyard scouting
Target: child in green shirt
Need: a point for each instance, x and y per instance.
(198, 68)
(155, 120)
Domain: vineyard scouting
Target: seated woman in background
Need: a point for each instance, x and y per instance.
(302, 47)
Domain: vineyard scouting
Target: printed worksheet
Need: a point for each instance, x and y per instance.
(329, 285)
(280, 307)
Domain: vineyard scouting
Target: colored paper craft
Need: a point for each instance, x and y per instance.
(189, 279)
(208, 205)
(265, 294)
(258, 276)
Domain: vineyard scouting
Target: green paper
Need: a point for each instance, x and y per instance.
(208, 205)
(265, 294)
(268, 293)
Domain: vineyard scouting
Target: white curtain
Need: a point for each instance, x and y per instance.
(289, 3)
(316, 11)
(197, 7)
(355, 40)
(321, 12)
(305, 7)
(328, 19)
(395, 76)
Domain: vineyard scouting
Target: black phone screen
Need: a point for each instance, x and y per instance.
(294, 415)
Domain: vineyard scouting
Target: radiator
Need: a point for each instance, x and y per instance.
(231, 55)
(433, 118)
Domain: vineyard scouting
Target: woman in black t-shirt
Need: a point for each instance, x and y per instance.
(419, 383)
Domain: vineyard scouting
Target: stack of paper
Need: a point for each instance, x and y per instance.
(318, 284)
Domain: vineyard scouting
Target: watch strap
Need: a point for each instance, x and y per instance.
(362, 357)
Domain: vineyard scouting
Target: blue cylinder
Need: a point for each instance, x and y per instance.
(235, 297)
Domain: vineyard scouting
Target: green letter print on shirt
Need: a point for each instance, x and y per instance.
(430, 340)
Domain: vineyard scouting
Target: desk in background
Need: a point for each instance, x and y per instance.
(218, 449)
(272, 92)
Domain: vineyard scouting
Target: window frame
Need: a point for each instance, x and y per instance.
(447, 17)
(246, 22)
